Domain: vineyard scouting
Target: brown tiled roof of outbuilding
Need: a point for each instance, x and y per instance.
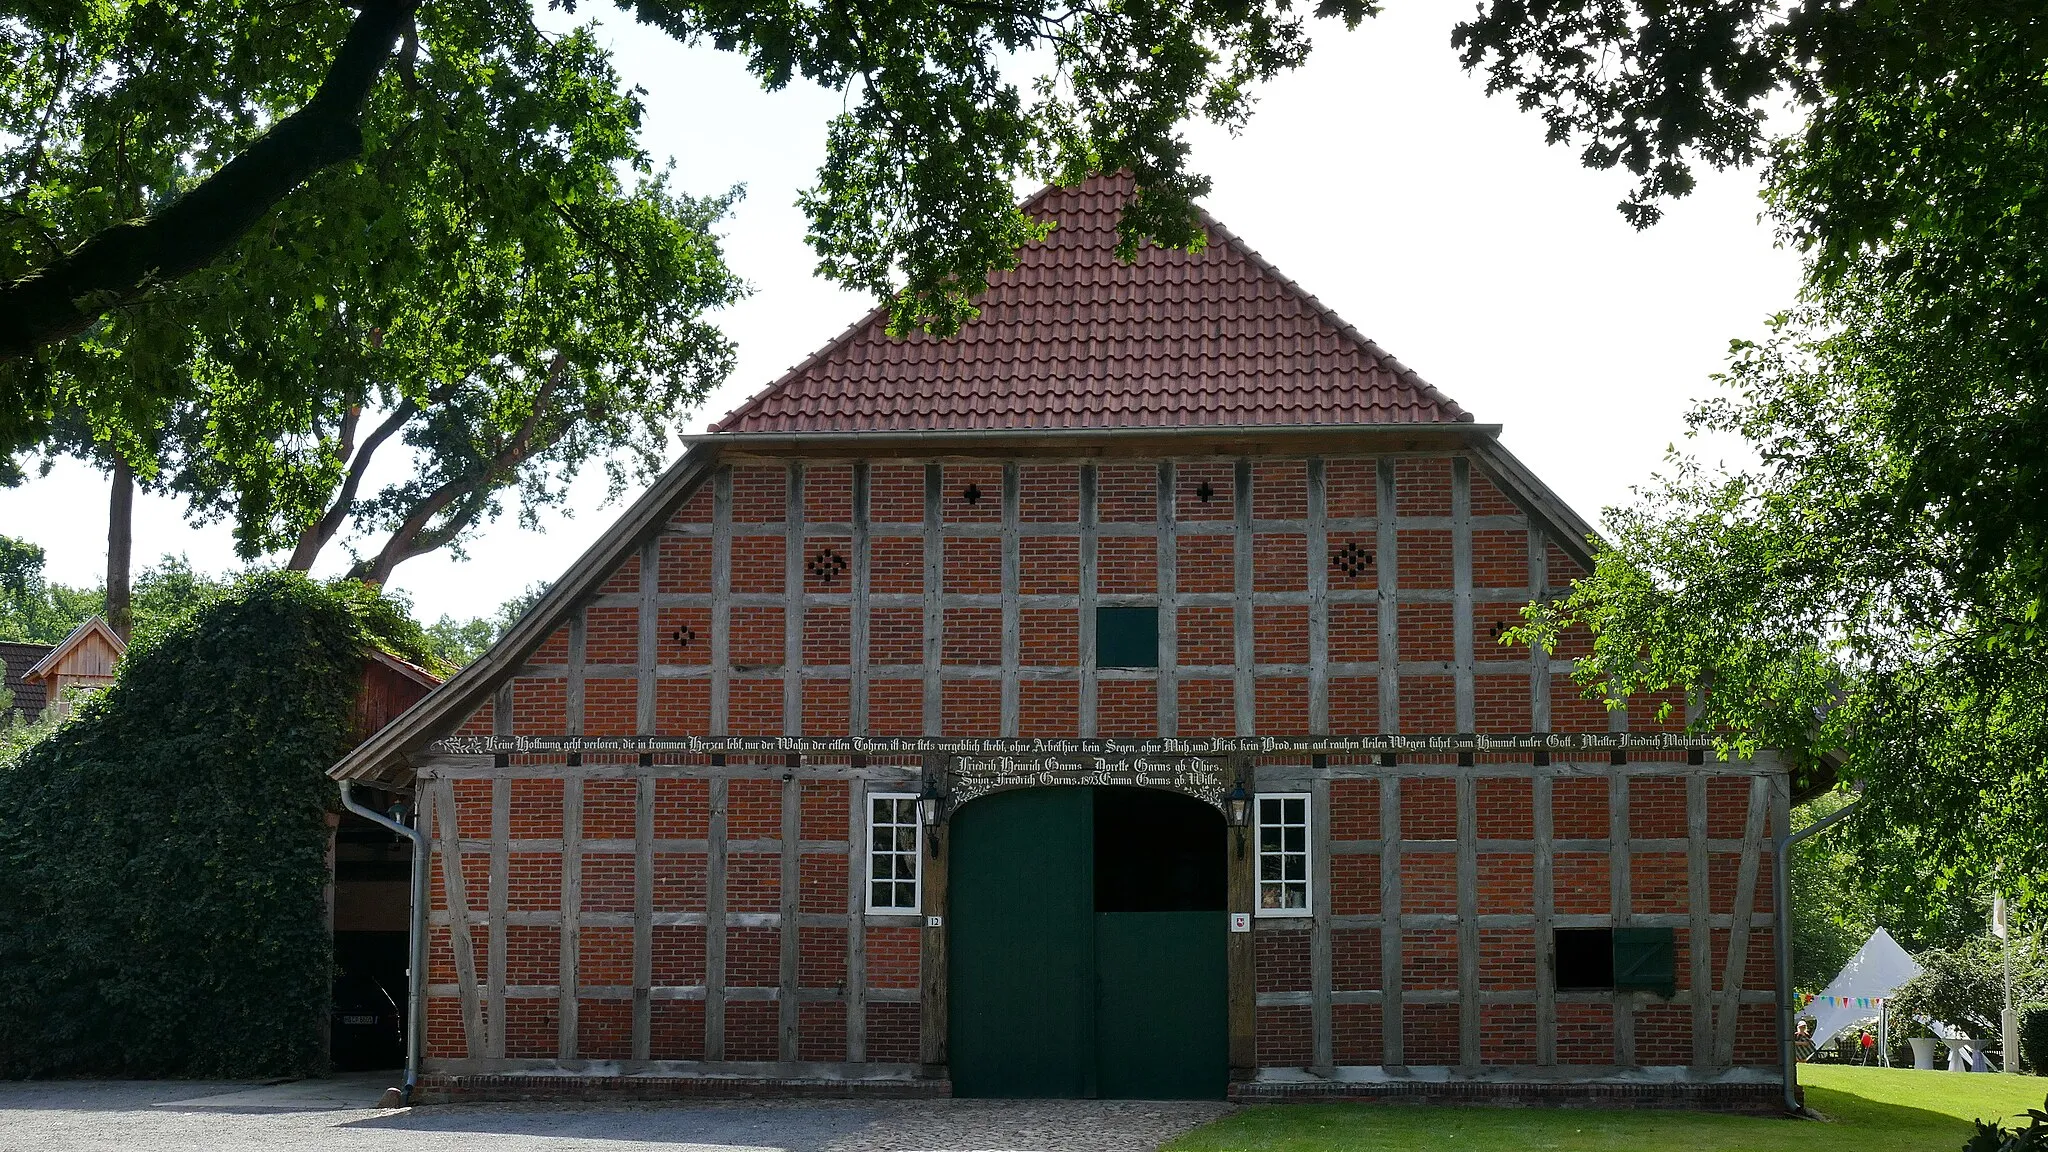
(1073, 338)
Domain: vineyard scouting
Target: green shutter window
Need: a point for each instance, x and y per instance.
(1127, 637)
(1646, 960)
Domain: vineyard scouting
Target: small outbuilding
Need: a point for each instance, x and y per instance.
(87, 660)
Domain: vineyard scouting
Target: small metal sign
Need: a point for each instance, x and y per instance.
(1240, 921)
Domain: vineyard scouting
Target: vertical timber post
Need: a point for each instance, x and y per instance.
(931, 980)
(1242, 953)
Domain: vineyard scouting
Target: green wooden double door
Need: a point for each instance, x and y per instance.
(1088, 939)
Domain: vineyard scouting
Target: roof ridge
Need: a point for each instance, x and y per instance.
(1071, 337)
(62, 648)
(835, 343)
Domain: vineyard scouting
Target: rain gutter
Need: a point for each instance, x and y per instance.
(1122, 432)
(1781, 889)
(416, 937)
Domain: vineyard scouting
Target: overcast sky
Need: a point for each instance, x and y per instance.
(1379, 176)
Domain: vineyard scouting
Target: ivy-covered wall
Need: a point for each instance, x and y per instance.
(163, 855)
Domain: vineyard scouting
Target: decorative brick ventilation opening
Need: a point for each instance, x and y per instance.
(827, 566)
(1351, 561)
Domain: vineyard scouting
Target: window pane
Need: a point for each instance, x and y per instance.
(1297, 897)
(1297, 868)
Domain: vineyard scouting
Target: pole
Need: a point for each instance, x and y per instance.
(2008, 1019)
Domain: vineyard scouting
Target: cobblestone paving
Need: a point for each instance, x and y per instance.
(318, 1116)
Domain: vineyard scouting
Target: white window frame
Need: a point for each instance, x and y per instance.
(902, 802)
(1307, 853)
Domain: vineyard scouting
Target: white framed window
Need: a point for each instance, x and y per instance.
(894, 862)
(1283, 854)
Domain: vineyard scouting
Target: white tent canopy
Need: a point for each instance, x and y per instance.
(1877, 970)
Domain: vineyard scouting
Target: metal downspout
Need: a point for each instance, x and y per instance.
(1781, 890)
(416, 937)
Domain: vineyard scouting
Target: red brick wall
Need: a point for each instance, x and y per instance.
(973, 698)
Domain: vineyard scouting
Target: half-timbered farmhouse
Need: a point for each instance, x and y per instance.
(1105, 701)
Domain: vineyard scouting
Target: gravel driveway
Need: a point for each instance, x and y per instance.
(340, 1114)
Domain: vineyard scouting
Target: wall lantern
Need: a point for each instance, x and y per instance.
(1239, 803)
(932, 806)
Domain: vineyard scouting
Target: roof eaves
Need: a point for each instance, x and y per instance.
(63, 647)
(1571, 531)
(404, 667)
(1465, 427)
(468, 688)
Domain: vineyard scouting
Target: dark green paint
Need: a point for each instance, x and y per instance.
(1646, 960)
(1126, 637)
(1022, 1007)
(1049, 998)
(1162, 1008)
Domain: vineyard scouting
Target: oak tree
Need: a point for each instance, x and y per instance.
(146, 141)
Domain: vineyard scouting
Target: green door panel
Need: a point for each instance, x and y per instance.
(1022, 960)
(1162, 1027)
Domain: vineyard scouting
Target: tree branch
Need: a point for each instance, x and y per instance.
(410, 538)
(120, 263)
(315, 537)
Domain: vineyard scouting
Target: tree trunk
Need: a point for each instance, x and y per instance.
(120, 545)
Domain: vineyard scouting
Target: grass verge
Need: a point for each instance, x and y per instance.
(1868, 1110)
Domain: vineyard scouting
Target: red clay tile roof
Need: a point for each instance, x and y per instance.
(1071, 338)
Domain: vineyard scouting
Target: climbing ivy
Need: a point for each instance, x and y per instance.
(164, 852)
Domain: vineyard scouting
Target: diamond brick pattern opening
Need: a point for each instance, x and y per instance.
(972, 495)
(827, 566)
(1205, 493)
(1351, 561)
(685, 636)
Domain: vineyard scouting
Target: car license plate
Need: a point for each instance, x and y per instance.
(358, 1019)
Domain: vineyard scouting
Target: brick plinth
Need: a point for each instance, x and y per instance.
(511, 1088)
(1748, 1098)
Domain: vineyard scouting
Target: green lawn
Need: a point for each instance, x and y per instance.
(1869, 1110)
